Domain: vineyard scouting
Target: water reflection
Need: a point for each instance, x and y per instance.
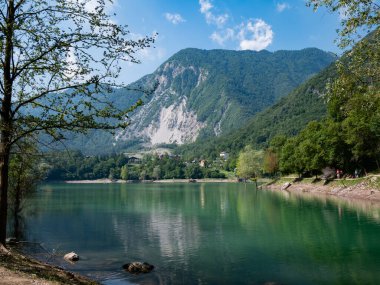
(368, 208)
(210, 234)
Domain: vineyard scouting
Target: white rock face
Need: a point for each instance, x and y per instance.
(203, 74)
(158, 122)
(175, 125)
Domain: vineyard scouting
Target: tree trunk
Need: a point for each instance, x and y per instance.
(16, 212)
(6, 120)
(4, 169)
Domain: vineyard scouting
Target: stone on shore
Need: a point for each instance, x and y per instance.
(138, 267)
(286, 185)
(71, 256)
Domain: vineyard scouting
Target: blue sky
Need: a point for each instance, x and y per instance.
(227, 24)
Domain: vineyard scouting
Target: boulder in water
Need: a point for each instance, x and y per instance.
(11, 241)
(138, 267)
(71, 256)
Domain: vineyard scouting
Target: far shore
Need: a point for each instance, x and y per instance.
(110, 181)
(366, 188)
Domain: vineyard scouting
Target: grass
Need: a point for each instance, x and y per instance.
(372, 179)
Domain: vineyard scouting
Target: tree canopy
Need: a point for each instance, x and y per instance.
(249, 163)
(349, 136)
(357, 17)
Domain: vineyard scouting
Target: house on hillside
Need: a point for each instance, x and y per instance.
(134, 160)
(224, 155)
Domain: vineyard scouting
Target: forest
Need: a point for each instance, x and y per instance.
(76, 166)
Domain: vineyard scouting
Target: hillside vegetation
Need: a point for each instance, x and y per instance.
(286, 117)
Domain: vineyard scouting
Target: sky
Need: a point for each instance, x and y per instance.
(221, 24)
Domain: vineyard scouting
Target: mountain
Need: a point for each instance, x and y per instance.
(286, 117)
(205, 93)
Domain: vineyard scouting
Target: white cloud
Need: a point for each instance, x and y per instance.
(251, 35)
(174, 18)
(255, 35)
(221, 37)
(205, 6)
(90, 5)
(218, 20)
(280, 7)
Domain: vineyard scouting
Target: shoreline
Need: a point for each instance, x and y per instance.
(367, 188)
(16, 268)
(120, 181)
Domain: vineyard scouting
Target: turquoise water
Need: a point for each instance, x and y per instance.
(206, 234)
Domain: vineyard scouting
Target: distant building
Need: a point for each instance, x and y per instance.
(224, 155)
(202, 163)
(134, 160)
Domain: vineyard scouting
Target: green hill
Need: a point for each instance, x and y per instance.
(287, 117)
(203, 94)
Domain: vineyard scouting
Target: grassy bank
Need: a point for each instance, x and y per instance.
(367, 187)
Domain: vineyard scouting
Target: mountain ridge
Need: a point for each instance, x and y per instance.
(205, 93)
(216, 89)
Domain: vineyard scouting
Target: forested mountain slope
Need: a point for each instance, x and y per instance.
(287, 117)
(203, 94)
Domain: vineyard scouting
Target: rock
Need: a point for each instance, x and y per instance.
(4, 251)
(138, 267)
(71, 256)
(286, 185)
(11, 240)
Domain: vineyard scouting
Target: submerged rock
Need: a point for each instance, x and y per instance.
(71, 256)
(138, 267)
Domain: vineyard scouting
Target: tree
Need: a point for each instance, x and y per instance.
(270, 161)
(353, 98)
(249, 163)
(26, 171)
(58, 61)
(114, 173)
(124, 172)
(193, 171)
(357, 17)
(289, 159)
(156, 174)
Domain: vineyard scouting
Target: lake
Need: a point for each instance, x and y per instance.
(205, 234)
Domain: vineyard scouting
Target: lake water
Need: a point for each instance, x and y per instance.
(205, 234)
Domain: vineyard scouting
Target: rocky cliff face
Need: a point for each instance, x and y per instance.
(206, 93)
(166, 116)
